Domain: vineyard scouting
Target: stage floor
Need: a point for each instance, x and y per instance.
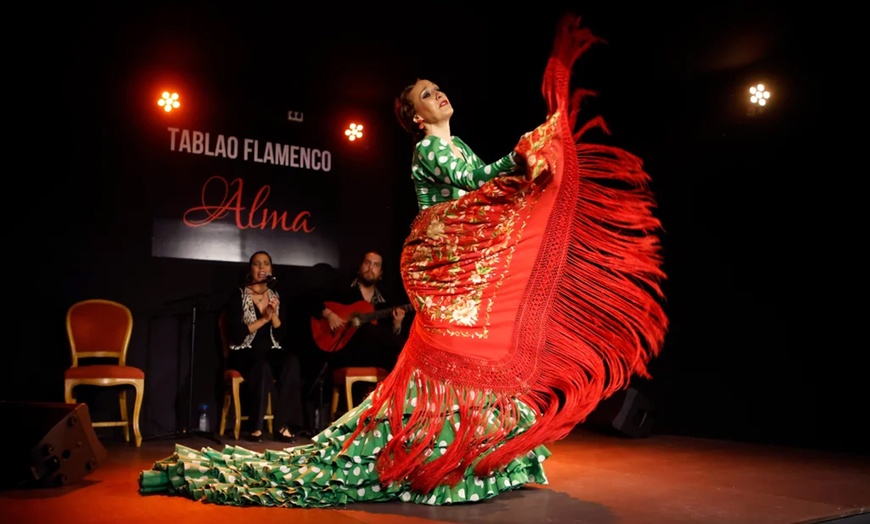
(594, 478)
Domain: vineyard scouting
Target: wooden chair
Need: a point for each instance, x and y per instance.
(99, 334)
(232, 384)
(349, 376)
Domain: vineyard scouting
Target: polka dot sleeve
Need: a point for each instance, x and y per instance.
(439, 175)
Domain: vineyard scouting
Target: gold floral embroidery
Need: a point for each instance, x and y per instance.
(458, 261)
(459, 252)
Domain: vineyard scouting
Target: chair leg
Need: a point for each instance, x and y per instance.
(122, 400)
(348, 389)
(224, 411)
(68, 392)
(137, 408)
(269, 412)
(237, 429)
(334, 408)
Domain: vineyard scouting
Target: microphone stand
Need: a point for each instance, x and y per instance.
(188, 430)
(318, 383)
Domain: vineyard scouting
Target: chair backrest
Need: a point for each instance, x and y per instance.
(99, 328)
(225, 338)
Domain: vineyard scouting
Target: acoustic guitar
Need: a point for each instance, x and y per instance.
(355, 315)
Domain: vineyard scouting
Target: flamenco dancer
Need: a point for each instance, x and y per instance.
(536, 283)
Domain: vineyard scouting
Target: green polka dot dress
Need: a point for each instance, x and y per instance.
(323, 473)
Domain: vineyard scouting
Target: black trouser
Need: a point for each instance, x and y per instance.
(275, 370)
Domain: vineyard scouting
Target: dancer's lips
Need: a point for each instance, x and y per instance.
(444, 103)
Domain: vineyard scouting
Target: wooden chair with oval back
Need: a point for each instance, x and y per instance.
(99, 334)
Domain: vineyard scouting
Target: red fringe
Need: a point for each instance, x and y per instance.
(591, 315)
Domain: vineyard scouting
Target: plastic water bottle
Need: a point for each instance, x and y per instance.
(203, 418)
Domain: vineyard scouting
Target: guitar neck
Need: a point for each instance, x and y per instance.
(380, 313)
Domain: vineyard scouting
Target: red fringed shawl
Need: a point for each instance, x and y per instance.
(541, 289)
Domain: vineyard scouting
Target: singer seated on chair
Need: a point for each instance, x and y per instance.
(255, 327)
(353, 324)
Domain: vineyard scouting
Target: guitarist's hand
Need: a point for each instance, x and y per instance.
(335, 322)
(398, 316)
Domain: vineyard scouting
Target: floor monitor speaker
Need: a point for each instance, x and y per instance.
(627, 412)
(53, 444)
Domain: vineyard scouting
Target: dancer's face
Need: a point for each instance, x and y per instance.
(430, 103)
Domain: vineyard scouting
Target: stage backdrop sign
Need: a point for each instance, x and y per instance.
(226, 194)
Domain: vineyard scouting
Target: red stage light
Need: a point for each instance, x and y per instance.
(354, 132)
(169, 101)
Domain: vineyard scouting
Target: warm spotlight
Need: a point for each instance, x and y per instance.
(353, 132)
(759, 95)
(169, 101)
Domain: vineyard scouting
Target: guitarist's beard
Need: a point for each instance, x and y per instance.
(366, 281)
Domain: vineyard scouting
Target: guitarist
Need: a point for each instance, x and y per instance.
(376, 343)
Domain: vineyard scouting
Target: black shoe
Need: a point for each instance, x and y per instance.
(255, 438)
(281, 437)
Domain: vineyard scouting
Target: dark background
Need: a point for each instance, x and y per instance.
(759, 348)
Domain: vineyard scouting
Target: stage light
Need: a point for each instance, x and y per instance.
(169, 101)
(759, 95)
(353, 132)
